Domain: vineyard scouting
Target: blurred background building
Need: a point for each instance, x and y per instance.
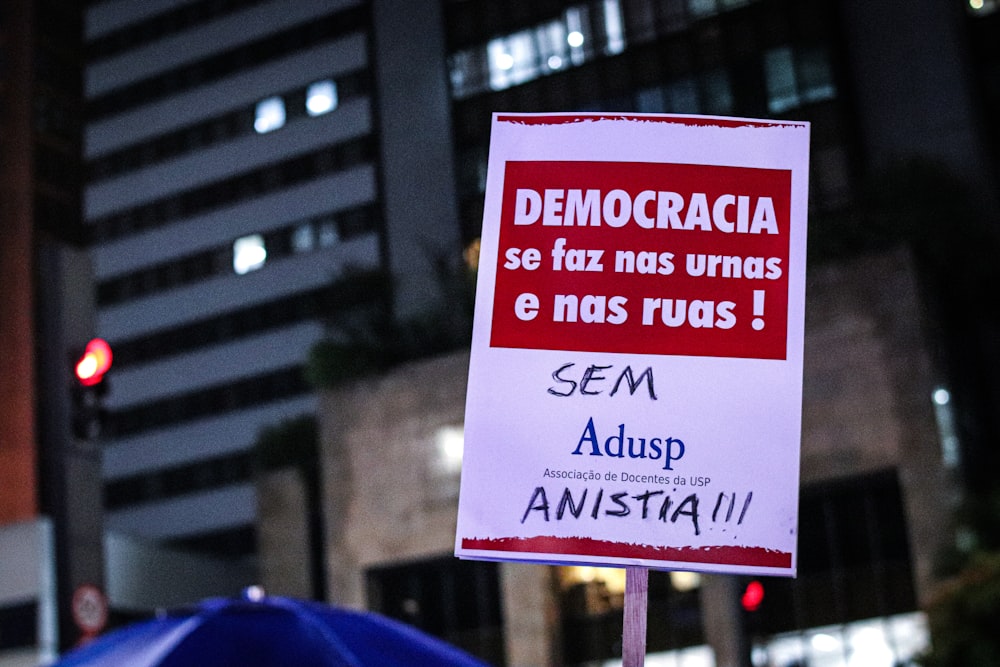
(217, 186)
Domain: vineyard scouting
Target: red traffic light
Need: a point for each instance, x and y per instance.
(94, 363)
(753, 596)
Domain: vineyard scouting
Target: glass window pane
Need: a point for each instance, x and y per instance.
(682, 96)
(699, 8)
(613, 27)
(270, 115)
(328, 234)
(249, 253)
(321, 97)
(815, 75)
(302, 238)
(718, 92)
(779, 76)
(650, 100)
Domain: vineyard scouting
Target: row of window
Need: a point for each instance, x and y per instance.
(580, 34)
(225, 64)
(247, 393)
(320, 97)
(269, 178)
(246, 253)
(161, 25)
(357, 291)
(789, 77)
(172, 482)
(792, 76)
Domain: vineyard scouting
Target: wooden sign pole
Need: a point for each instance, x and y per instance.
(634, 623)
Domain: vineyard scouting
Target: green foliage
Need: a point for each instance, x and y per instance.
(373, 341)
(965, 618)
(293, 442)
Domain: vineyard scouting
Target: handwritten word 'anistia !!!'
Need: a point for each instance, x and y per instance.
(620, 504)
(620, 446)
(616, 208)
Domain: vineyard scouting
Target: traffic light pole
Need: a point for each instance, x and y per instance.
(70, 477)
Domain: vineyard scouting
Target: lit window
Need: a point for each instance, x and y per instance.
(446, 464)
(574, 19)
(270, 115)
(548, 47)
(302, 238)
(328, 234)
(249, 253)
(982, 6)
(321, 98)
(614, 30)
(450, 441)
(944, 414)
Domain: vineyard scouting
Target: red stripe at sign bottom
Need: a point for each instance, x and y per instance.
(718, 555)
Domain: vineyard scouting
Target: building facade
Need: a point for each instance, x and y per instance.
(251, 164)
(244, 163)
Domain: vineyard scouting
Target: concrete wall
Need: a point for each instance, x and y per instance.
(387, 498)
(867, 386)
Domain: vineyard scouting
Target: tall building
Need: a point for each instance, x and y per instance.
(250, 166)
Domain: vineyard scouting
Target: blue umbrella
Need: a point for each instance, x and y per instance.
(267, 632)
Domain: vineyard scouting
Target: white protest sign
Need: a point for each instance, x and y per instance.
(635, 382)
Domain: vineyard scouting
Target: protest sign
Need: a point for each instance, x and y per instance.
(636, 370)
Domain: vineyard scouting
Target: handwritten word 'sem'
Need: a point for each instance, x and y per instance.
(590, 381)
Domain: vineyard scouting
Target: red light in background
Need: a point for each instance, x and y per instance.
(94, 363)
(753, 596)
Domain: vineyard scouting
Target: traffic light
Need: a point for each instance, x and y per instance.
(89, 388)
(95, 362)
(753, 596)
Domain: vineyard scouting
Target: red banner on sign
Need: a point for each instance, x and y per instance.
(644, 258)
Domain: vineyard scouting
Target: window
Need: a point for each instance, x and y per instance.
(983, 7)
(321, 97)
(796, 76)
(592, 601)
(456, 600)
(682, 96)
(509, 60)
(779, 72)
(249, 253)
(446, 464)
(302, 238)
(718, 92)
(328, 233)
(270, 115)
